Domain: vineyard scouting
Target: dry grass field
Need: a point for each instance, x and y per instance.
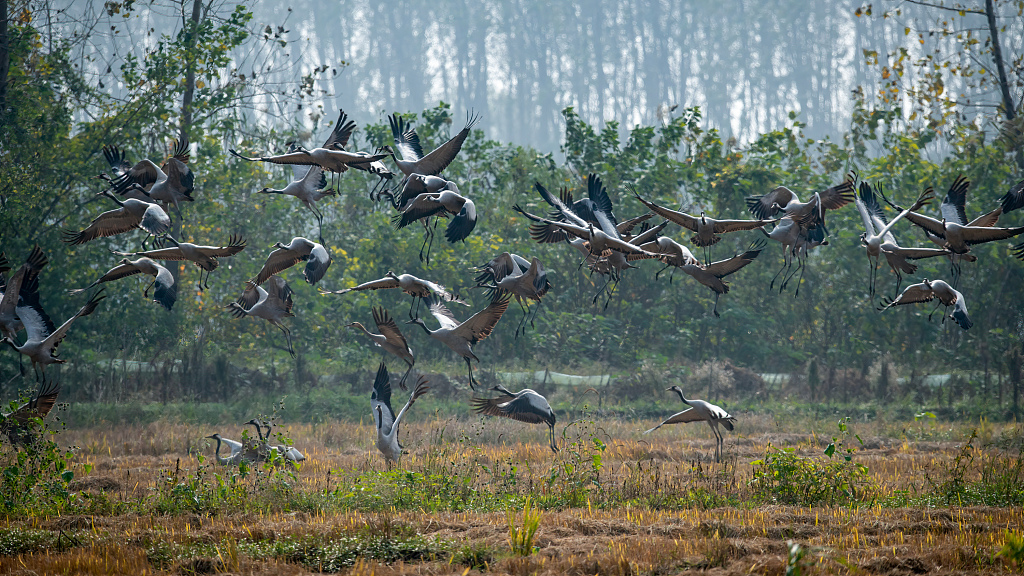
(914, 498)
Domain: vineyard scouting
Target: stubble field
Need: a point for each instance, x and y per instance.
(914, 497)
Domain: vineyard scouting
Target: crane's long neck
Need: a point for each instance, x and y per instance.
(892, 223)
(216, 453)
(363, 328)
(259, 430)
(503, 390)
(425, 329)
(681, 397)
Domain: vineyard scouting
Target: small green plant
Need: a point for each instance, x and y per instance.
(795, 559)
(785, 477)
(1013, 549)
(520, 536)
(34, 476)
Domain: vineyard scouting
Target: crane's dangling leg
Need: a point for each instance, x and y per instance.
(803, 268)
(871, 280)
(287, 335)
(611, 292)
(523, 321)
(469, 365)
(536, 310)
(899, 282)
(145, 292)
(427, 236)
(715, 309)
(401, 382)
(603, 288)
(551, 436)
(658, 273)
(785, 264)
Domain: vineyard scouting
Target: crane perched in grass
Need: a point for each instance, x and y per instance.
(700, 411)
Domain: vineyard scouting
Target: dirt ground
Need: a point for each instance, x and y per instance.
(878, 535)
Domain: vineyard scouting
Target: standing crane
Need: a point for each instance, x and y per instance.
(237, 455)
(165, 292)
(43, 337)
(204, 257)
(461, 337)
(698, 411)
(288, 453)
(272, 304)
(390, 339)
(314, 254)
(525, 406)
(384, 416)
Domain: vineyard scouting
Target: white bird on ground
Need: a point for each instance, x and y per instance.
(272, 304)
(461, 337)
(929, 290)
(525, 406)
(384, 416)
(164, 289)
(237, 454)
(317, 259)
(390, 339)
(698, 411)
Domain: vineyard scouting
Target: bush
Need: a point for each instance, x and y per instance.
(785, 477)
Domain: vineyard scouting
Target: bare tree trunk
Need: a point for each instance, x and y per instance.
(190, 74)
(1009, 108)
(5, 56)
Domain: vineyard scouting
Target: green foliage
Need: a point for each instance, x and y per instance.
(1013, 549)
(977, 477)
(785, 477)
(522, 532)
(576, 472)
(34, 477)
(795, 563)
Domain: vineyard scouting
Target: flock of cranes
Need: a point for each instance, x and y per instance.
(144, 192)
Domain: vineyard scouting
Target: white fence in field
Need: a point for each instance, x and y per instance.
(519, 379)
